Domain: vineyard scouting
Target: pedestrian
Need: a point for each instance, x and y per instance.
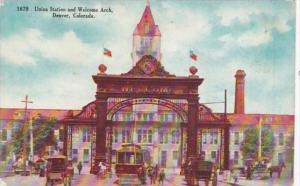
(151, 174)
(102, 169)
(248, 172)
(142, 175)
(79, 167)
(235, 176)
(280, 167)
(156, 170)
(162, 177)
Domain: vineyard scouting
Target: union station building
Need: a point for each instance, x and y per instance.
(157, 110)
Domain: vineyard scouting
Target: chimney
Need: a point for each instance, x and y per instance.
(239, 104)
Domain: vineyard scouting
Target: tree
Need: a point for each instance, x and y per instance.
(43, 135)
(250, 143)
(290, 149)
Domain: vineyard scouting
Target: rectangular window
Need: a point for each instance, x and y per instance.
(4, 134)
(175, 155)
(164, 157)
(129, 118)
(204, 138)
(61, 134)
(177, 136)
(139, 116)
(128, 136)
(3, 153)
(151, 116)
(85, 135)
(123, 136)
(236, 138)
(166, 137)
(139, 136)
(150, 136)
(86, 155)
(202, 155)
(169, 117)
(75, 155)
(89, 131)
(116, 135)
(173, 136)
(281, 139)
(144, 140)
(161, 136)
(215, 138)
(211, 137)
(162, 117)
(213, 154)
(236, 157)
(145, 117)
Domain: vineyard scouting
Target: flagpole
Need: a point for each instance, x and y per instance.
(102, 60)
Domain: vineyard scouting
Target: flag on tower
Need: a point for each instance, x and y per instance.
(107, 52)
(193, 55)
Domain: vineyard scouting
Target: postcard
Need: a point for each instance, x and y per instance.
(147, 92)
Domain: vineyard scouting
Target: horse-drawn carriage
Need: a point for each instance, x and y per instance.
(58, 171)
(261, 169)
(197, 170)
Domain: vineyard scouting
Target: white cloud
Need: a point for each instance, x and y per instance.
(282, 25)
(254, 38)
(25, 48)
(268, 19)
(251, 38)
(63, 91)
(183, 33)
(228, 15)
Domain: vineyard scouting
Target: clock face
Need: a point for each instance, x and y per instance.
(148, 67)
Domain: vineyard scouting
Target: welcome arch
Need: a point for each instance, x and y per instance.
(143, 86)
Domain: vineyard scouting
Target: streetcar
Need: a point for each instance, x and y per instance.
(129, 164)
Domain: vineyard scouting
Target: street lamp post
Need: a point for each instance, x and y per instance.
(31, 140)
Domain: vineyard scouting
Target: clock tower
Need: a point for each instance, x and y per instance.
(146, 38)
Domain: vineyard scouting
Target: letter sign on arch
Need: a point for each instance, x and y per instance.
(163, 102)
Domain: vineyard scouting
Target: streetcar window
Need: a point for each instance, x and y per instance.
(132, 159)
(139, 158)
(129, 157)
(121, 156)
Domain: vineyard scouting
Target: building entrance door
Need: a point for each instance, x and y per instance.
(163, 162)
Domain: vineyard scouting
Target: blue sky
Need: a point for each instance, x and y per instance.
(52, 60)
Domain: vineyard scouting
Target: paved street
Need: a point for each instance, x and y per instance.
(171, 180)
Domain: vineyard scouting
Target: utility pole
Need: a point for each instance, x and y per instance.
(259, 138)
(26, 101)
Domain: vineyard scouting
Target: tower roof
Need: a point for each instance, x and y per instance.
(142, 28)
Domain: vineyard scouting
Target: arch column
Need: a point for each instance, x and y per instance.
(101, 109)
(193, 112)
